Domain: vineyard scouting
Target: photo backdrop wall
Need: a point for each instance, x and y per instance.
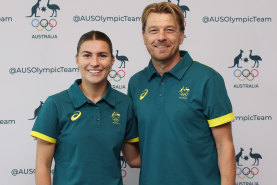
(38, 44)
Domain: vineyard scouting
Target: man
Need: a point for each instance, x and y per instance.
(182, 107)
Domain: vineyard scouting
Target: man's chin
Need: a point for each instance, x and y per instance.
(161, 58)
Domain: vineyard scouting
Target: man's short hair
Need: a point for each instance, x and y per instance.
(164, 7)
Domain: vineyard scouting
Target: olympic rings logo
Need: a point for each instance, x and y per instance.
(246, 172)
(117, 76)
(44, 24)
(246, 74)
(123, 173)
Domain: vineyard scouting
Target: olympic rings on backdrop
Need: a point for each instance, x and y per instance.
(123, 173)
(44, 24)
(246, 74)
(116, 76)
(246, 172)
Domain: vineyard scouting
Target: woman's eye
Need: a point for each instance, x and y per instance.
(102, 56)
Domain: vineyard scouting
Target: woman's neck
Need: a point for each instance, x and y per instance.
(94, 92)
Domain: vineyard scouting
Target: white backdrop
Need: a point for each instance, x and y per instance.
(39, 61)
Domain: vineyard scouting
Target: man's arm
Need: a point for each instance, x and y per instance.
(131, 154)
(44, 157)
(226, 154)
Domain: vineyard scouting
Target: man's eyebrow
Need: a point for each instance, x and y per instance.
(86, 52)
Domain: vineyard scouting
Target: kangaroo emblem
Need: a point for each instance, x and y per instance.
(37, 111)
(34, 9)
(123, 162)
(238, 156)
(237, 60)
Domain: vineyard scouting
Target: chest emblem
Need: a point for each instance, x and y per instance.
(76, 115)
(116, 118)
(143, 94)
(183, 93)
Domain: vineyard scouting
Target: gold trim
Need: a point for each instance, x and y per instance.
(221, 120)
(43, 137)
(134, 140)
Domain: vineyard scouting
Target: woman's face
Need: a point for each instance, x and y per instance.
(94, 61)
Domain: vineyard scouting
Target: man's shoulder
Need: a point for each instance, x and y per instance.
(140, 75)
(204, 69)
(121, 96)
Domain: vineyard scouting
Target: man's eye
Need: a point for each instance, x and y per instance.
(86, 55)
(170, 30)
(153, 31)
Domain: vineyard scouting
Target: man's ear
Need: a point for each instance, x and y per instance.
(143, 36)
(182, 36)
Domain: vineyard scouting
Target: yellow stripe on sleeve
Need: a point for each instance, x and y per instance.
(134, 140)
(221, 120)
(43, 137)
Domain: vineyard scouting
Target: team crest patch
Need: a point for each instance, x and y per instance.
(76, 115)
(184, 92)
(116, 118)
(143, 94)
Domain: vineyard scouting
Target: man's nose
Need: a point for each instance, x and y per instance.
(162, 36)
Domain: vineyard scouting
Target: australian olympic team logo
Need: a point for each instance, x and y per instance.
(116, 118)
(249, 169)
(243, 74)
(117, 75)
(183, 92)
(44, 9)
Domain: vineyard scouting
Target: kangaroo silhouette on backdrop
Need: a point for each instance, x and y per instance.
(237, 60)
(37, 111)
(238, 156)
(34, 9)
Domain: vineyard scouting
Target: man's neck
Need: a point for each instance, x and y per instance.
(165, 66)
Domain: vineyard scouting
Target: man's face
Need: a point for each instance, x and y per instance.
(162, 37)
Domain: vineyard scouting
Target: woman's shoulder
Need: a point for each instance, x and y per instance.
(59, 97)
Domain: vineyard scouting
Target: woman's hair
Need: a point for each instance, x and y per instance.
(164, 7)
(95, 35)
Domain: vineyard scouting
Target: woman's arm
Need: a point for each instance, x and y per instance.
(226, 153)
(131, 154)
(44, 157)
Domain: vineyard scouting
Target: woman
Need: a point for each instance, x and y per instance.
(85, 127)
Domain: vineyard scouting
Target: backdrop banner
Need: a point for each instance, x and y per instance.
(38, 43)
